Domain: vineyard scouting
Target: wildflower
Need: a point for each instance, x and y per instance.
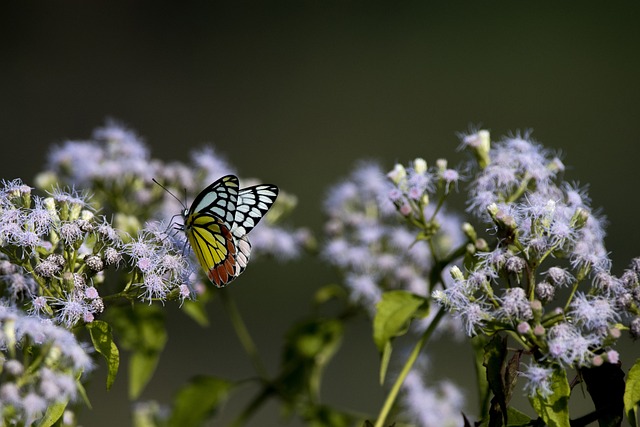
(370, 243)
(568, 346)
(545, 291)
(58, 359)
(280, 243)
(112, 256)
(70, 233)
(107, 233)
(160, 262)
(538, 380)
(514, 305)
(474, 316)
(559, 276)
(72, 309)
(363, 289)
(450, 178)
(48, 268)
(91, 292)
(428, 406)
(594, 313)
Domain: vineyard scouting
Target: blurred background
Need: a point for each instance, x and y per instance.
(295, 92)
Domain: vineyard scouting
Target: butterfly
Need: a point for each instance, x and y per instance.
(217, 224)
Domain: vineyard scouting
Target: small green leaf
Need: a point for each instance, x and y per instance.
(517, 418)
(479, 342)
(632, 394)
(197, 311)
(394, 313)
(142, 330)
(198, 401)
(554, 409)
(321, 416)
(53, 414)
(141, 368)
(102, 339)
(309, 347)
(329, 292)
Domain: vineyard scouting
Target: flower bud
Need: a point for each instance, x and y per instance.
(398, 174)
(480, 142)
(580, 218)
(469, 231)
(456, 273)
(419, 165)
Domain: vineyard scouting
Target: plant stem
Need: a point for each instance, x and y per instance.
(393, 393)
(253, 406)
(243, 334)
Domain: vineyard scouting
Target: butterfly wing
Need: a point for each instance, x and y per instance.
(219, 199)
(253, 204)
(214, 246)
(208, 225)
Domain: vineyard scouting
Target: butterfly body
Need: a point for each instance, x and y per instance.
(217, 224)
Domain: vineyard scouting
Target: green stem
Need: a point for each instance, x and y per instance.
(243, 334)
(521, 189)
(393, 393)
(253, 406)
(573, 292)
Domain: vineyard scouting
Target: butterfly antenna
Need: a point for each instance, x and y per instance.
(184, 205)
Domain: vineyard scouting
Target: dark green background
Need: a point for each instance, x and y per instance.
(295, 93)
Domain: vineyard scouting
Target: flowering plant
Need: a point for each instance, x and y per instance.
(87, 255)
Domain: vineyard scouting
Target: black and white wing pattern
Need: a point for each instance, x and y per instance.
(253, 204)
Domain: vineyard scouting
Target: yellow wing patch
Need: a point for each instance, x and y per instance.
(214, 247)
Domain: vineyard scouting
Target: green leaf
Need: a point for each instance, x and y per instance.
(554, 409)
(322, 416)
(516, 419)
(53, 414)
(197, 311)
(141, 368)
(632, 394)
(394, 313)
(102, 339)
(329, 292)
(198, 400)
(142, 330)
(309, 346)
(479, 342)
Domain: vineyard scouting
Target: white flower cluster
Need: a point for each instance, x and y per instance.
(371, 244)
(39, 366)
(536, 219)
